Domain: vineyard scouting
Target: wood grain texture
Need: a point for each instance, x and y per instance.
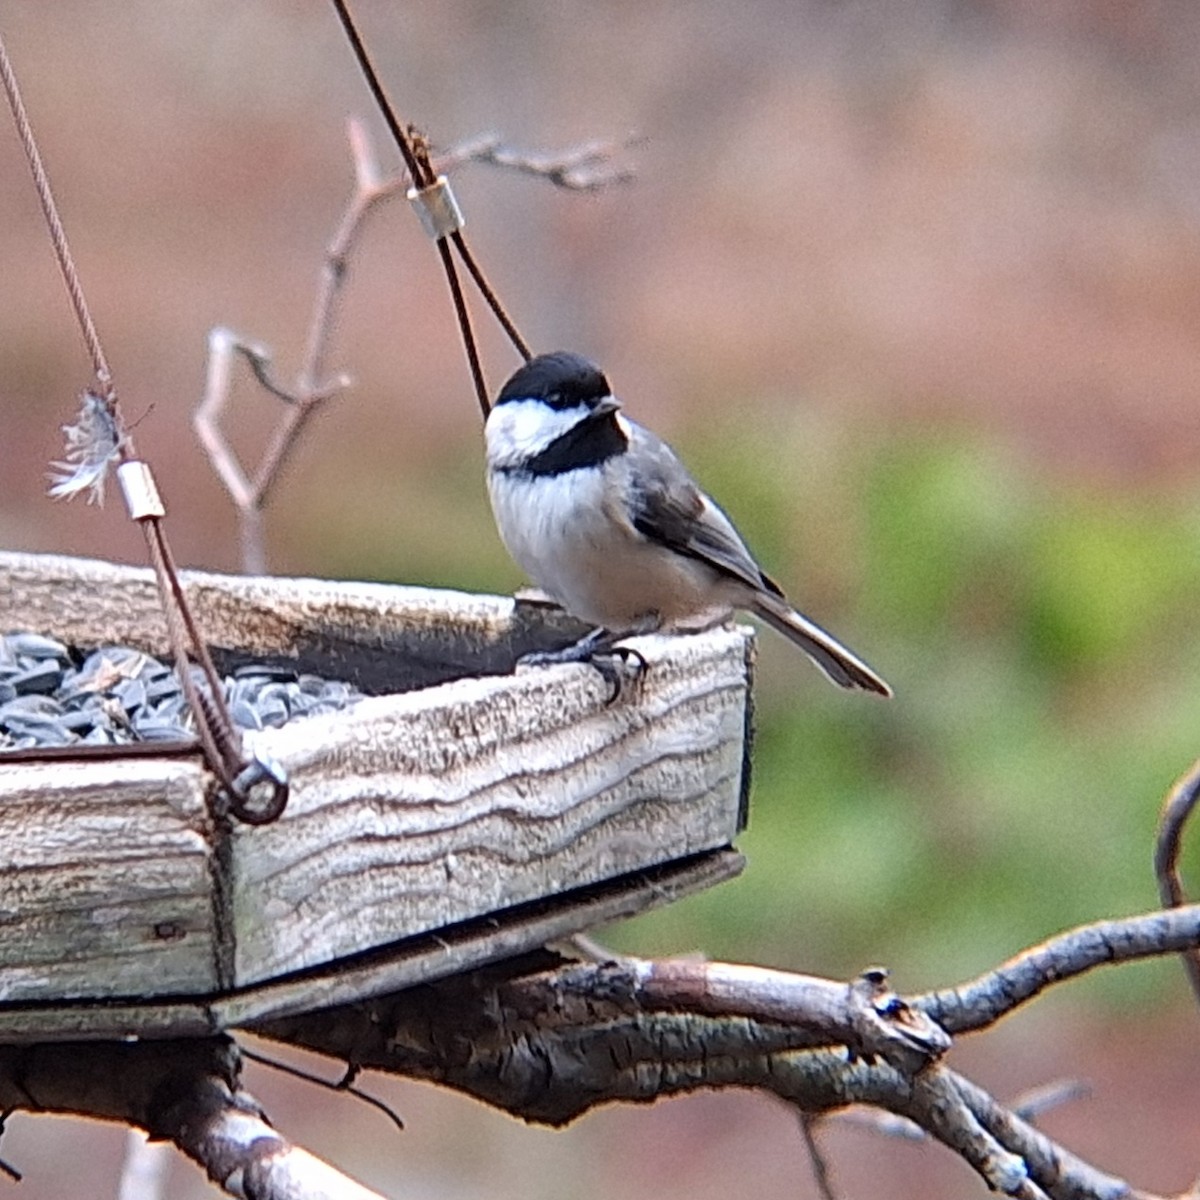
(389, 969)
(105, 881)
(439, 805)
(385, 638)
(463, 791)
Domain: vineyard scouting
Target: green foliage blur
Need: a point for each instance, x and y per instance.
(1040, 639)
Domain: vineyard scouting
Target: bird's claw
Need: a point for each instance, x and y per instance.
(616, 664)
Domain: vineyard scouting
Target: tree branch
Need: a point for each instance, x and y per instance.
(547, 1041)
(983, 1001)
(1176, 812)
(184, 1091)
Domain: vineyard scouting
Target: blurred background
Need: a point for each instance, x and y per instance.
(913, 285)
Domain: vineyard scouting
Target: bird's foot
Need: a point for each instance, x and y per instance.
(619, 666)
(616, 664)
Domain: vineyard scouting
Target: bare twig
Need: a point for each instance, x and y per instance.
(820, 1168)
(310, 389)
(186, 1092)
(577, 168)
(1177, 809)
(886, 1124)
(1012, 1157)
(6, 1168)
(246, 1157)
(1055, 1169)
(1030, 1104)
(344, 1085)
(549, 1045)
(589, 167)
(983, 1001)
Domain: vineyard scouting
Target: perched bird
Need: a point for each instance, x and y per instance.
(602, 516)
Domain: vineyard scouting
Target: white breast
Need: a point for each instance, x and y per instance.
(561, 531)
(554, 527)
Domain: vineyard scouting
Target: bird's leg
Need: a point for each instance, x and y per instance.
(600, 649)
(599, 641)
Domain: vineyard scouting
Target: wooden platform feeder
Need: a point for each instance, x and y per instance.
(460, 814)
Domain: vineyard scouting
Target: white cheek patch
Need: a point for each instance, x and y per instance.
(519, 429)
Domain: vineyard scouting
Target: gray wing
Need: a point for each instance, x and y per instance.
(667, 506)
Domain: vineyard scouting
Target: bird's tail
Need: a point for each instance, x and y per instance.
(839, 664)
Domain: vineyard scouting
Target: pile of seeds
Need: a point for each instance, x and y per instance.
(53, 696)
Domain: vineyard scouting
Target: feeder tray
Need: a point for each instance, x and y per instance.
(458, 815)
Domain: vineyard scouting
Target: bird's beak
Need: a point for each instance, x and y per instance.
(606, 405)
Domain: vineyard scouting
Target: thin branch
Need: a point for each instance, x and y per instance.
(550, 1044)
(1011, 1156)
(589, 167)
(310, 390)
(246, 1157)
(1031, 1104)
(983, 1001)
(820, 1168)
(586, 167)
(937, 1104)
(1177, 809)
(6, 1168)
(184, 1091)
(1028, 1106)
(345, 1085)
(1062, 1174)
(886, 1124)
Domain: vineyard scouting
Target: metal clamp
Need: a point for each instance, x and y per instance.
(140, 491)
(437, 208)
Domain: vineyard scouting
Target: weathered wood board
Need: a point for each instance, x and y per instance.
(459, 793)
(105, 877)
(397, 965)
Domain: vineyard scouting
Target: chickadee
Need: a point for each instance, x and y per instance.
(601, 515)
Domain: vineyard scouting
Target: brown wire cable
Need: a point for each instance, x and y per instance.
(217, 733)
(415, 152)
(463, 313)
(493, 301)
(380, 96)
(58, 236)
(215, 728)
(161, 552)
(214, 754)
(422, 152)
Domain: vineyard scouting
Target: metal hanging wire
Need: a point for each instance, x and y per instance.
(252, 789)
(432, 197)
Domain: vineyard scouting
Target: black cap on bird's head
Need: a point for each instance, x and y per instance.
(561, 379)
